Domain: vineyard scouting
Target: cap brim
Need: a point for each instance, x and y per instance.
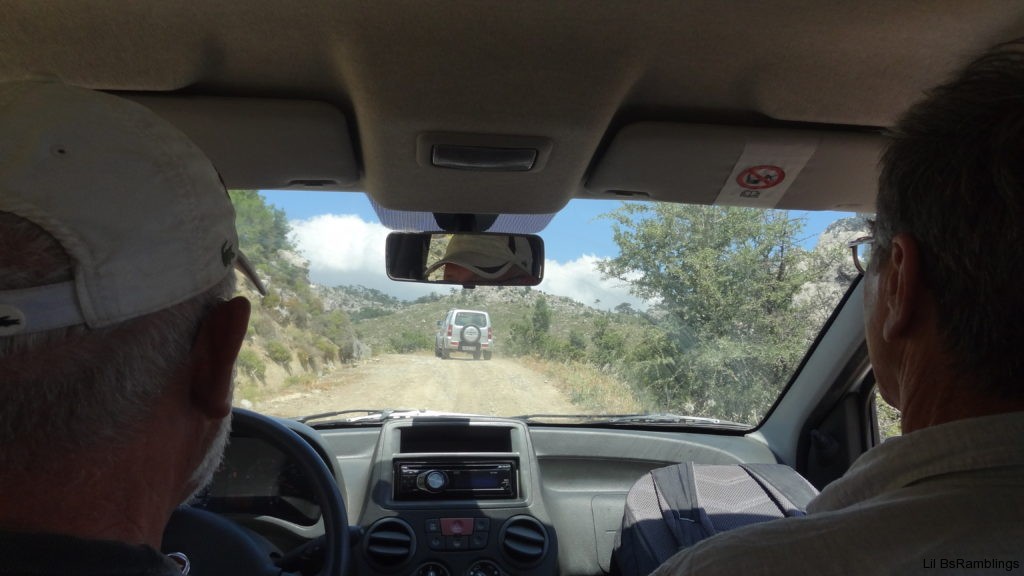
(243, 265)
(475, 270)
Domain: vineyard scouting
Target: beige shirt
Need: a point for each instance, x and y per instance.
(944, 500)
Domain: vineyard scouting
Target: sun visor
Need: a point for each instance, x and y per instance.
(264, 143)
(738, 166)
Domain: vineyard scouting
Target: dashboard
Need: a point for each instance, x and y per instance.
(449, 496)
(256, 479)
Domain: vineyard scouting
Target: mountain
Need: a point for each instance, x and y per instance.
(300, 332)
(571, 325)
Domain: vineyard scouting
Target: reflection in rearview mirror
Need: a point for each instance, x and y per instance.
(469, 259)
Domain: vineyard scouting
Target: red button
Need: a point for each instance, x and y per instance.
(456, 526)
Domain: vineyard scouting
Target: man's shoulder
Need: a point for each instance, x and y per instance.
(899, 532)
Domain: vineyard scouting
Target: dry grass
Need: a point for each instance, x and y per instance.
(275, 385)
(587, 387)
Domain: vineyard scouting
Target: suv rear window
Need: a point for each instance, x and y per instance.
(470, 319)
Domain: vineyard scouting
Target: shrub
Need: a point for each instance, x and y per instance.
(576, 339)
(328, 351)
(409, 341)
(263, 325)
(370, 313)
(250, 364)
(347, 350)
(271, 300)
(307, 355)
(278, 353)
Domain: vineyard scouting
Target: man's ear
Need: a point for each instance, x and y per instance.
(213, 356)
(900, 287)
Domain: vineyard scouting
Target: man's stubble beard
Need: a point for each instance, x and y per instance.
(203, 474)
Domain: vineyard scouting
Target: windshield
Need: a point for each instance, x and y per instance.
(648, 313)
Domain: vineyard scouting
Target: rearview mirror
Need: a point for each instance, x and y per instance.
(468, 259)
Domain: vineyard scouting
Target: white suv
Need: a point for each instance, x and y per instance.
(464, 331)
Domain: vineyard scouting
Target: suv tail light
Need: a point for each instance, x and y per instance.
(490, 333)
(449, 330)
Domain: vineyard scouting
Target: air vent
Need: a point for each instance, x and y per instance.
(390, 542)
(523, 539)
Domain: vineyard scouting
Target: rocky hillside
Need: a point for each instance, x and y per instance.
(838, 267)
(293, 336)
(358, 302)
(413, 326)
(301, 332)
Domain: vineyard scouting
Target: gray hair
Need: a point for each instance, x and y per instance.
(75, 388)
(953, 178)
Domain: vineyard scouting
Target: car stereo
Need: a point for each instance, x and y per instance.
(450, 480)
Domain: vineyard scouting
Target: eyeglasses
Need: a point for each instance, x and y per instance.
(861, 248)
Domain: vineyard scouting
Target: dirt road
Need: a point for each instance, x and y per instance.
(499, 386)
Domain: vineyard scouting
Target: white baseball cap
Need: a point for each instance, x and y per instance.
(489, 256)
(139, 209)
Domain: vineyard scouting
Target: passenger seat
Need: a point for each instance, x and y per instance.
(671, 508)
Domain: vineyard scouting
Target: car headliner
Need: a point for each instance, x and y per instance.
(572, 72)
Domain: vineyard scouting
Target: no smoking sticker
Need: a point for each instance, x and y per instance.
(761, 177)
(765, 170)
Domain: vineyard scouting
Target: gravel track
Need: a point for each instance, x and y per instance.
(499, 386)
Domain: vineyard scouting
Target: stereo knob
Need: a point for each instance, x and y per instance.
(432, 481)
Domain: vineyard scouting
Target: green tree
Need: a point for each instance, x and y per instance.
(262, 229)
(541, 316)
(519, 339)
(726, 278)
(529, 335)
(609, 345)
(263, 235)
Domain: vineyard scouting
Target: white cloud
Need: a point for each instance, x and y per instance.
(580, 280)
(344, 249)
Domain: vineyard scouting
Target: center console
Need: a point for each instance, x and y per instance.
(455, 497)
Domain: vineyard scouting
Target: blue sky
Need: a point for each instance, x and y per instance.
(341, 236)
(561, 237)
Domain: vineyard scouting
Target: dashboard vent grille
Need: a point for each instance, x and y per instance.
(390, 542)
(523, 539)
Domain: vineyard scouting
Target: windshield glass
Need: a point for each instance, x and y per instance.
(648, 312)
(470, 319)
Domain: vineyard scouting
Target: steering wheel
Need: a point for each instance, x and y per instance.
(215, 545)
